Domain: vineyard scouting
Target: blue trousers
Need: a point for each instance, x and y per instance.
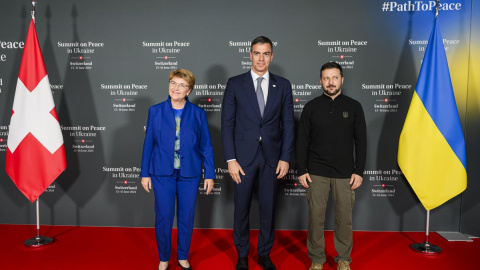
(261, 174)
(166, 189)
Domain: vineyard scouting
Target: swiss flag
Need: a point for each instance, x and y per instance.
(35, 151)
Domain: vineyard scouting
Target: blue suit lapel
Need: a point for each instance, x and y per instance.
(250, 93)
(186, 111)
(272, 94)
(169, 115)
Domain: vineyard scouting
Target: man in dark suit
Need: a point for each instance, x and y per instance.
(257, 137)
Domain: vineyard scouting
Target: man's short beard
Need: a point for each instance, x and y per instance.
(331, 95)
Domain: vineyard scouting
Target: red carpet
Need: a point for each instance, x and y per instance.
(98, 248)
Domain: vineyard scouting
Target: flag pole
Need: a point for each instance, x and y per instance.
(426, 247)
(38, 240)
(33, 2)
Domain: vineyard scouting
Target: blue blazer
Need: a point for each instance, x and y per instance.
(243, 125)
(195, 144)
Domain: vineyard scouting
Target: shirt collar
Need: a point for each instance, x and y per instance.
(255, 76)
(328, 97)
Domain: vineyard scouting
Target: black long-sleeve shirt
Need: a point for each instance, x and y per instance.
(332, 138)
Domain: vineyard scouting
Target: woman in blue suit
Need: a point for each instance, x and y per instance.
(177, 142)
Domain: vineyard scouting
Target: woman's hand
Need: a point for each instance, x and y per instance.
(208, 185)
(147, 183)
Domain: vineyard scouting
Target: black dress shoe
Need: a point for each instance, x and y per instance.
(242, 263)
(266, 263)
(183, 268)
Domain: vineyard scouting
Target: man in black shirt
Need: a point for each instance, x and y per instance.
(331, 154)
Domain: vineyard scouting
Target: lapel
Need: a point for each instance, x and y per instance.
(169, 114)
(272, 94)
(249, 90)
(186, 110)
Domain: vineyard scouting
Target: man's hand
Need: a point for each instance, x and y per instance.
(356, 181)
(282, 169)
(234, 169)
(304, 178)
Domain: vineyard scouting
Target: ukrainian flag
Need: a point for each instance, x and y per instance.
(431, 151)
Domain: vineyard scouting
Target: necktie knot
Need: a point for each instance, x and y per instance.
(259, 79)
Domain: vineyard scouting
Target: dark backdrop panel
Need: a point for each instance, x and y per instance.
(108, 61)
(471, 204)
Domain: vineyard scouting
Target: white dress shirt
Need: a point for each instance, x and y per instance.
(266, 77)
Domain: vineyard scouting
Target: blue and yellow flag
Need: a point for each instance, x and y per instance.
(431, 151)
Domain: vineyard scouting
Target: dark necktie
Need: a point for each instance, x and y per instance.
(260, 98)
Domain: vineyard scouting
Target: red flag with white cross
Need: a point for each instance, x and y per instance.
(35, 149)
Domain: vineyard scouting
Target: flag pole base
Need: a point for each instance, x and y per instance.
(38, 241)
(426, 248)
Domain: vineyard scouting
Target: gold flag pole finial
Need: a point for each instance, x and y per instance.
(437, 8)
